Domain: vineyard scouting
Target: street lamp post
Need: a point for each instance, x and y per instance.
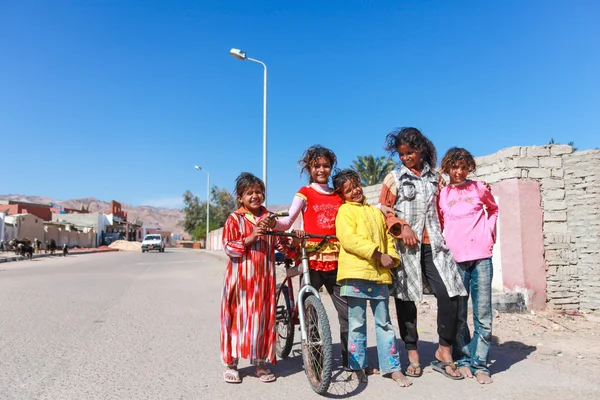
(207, 202)
(241, 55)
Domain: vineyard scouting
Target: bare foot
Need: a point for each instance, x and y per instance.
(400, 379)
(483, 378)
(371, 371)
(466, 372)
(443, 354)
(359, 376)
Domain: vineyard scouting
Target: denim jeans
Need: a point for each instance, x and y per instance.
(387, 351)
(474, 352)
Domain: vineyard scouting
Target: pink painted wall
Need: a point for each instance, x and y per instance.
(522, 240)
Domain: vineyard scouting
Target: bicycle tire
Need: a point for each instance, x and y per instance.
(284, 327)
(317, 353)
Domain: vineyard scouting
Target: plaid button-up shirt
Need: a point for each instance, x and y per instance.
(415, 203)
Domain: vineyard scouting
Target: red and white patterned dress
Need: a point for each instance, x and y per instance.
(248, 298)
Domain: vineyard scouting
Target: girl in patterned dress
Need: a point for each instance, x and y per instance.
(409, 200)
(248, 297)
(318, 204)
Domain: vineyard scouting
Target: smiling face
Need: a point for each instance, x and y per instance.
(252, 198)
(320, 170)
(351, 191)
(410, 157)
(458, 171)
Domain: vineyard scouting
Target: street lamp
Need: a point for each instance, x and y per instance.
(207, 202)
(241, 55)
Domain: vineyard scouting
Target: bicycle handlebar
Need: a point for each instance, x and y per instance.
(306, 235)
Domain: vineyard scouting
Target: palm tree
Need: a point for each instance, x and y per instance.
(371, 169)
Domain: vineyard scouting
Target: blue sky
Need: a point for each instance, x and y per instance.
(120, 99)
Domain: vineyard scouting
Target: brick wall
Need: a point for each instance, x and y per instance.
(569, 184)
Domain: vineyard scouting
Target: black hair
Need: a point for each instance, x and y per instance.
(244, 181)
(454, 155)
(344, 176)
(414, 138)
(312, 154)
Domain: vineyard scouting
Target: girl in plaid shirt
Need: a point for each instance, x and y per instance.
(409, 201)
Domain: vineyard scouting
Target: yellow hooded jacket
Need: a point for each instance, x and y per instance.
(361, 230)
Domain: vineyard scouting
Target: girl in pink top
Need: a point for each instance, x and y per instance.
(468, 215)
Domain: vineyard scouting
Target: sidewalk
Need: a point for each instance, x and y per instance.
(9, 256)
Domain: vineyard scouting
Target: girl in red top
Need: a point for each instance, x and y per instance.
(318, 204)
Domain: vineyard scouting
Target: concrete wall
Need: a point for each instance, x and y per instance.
(64, 236)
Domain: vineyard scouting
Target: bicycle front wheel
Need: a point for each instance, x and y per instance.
(285, 326)
(316, 349)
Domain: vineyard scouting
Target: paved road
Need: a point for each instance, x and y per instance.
(145, 326)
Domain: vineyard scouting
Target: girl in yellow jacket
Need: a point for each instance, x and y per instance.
(366, 256)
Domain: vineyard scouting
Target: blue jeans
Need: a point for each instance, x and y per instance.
(387, 351)
(474, 352)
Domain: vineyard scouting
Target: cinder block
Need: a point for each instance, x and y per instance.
(509, 152)
(529, 162)
(556, 216)
(551, 162)
(551, 183)
(557, 205)
(538, 173)
(555, 227)
(553, 194)
(558, 149)
(557, 173)
(538, 151)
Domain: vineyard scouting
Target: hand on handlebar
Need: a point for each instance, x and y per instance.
(299, 233)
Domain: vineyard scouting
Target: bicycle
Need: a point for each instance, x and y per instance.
(309, 313)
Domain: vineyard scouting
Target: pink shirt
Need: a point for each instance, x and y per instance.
(469, 232)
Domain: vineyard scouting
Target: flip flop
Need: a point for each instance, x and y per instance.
(265, 375)
(232, 376)
(415, 365)
(440, 366)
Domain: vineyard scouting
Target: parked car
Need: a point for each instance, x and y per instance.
(153, 242)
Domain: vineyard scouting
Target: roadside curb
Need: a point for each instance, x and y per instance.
(57, 254)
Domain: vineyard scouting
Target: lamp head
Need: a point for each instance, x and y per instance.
(237, 53)
(198, 168)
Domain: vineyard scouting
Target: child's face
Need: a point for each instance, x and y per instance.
(410, 157)
(351, 191)
(320, 170)
(252, 198)
(458, 171)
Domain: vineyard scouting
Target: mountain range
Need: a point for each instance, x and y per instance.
(163, 218)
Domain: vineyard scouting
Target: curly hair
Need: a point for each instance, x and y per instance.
(456, 154)
(414, 138)
(312, 154)
(344, 176)
(246, 180)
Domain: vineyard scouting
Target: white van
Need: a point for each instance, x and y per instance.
(153, 242)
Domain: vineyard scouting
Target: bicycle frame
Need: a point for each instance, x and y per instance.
(306, 288)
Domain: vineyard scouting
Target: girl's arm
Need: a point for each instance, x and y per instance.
(233, 241)
(284, 245)
(387, 200)
(490, 205)
(284, 223)
(345, 228)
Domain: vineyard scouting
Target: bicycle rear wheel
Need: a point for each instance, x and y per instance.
(316, 349)
(284, 325)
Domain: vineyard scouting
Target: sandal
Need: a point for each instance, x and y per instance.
(265, 375)
(415, 366)
(232, 376)
(440, 366)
